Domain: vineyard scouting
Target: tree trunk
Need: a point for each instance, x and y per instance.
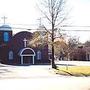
(53, 63)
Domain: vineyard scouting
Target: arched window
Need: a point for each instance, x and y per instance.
(39, 55)
(11, 55)
(6, 37)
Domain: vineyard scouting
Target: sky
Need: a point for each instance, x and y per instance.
(18, 11)
(25, 12)
(80, 16)
(80, 12)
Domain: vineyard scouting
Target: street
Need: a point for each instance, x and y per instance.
(39, 77)
(54, 83)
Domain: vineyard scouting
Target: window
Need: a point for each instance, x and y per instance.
(6, 37)
(38, 55)
(11, 55)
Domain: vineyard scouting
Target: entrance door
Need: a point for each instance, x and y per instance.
(27, 60)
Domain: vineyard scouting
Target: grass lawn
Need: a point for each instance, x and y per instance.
(73, 70)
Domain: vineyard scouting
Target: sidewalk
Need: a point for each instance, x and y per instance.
(73, 63)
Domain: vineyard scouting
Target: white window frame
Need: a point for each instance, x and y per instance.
(10, 55)
(39, 55)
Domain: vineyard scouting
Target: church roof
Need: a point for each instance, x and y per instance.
(5, 28)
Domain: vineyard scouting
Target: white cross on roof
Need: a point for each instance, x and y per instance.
(4, 19)
(25, 42)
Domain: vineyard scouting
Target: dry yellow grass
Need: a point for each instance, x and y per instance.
(74, 70)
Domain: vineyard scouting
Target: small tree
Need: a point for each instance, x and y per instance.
(60, 47)
(87, 43)
(54, 12)
(73, 42)
(39, 38)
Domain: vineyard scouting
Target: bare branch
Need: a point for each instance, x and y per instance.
(61, 21)
(58, 9)
(44, 13)
(49, 5)
(47, 29)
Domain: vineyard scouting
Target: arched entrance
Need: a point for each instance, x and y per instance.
(27, 53)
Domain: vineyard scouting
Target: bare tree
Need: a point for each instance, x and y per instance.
(87, 44)
(54, 12)
(73, 42)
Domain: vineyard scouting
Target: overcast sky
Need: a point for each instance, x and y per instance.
(25, 11)
(80, 12)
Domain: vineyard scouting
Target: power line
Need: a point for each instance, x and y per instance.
(77, 30)
(70, 30)
(22, 28)
(73, 26)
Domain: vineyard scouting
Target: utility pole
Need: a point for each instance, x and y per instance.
(40, 22)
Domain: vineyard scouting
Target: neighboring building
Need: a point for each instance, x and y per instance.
(80, 53)
(87, 53)
(14, 49)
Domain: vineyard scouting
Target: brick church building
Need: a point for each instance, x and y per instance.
(14, 49)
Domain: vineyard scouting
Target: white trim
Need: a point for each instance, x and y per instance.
(21, 59)
(22, 55)
(33, 60)
(27, 55)
(26, 49)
